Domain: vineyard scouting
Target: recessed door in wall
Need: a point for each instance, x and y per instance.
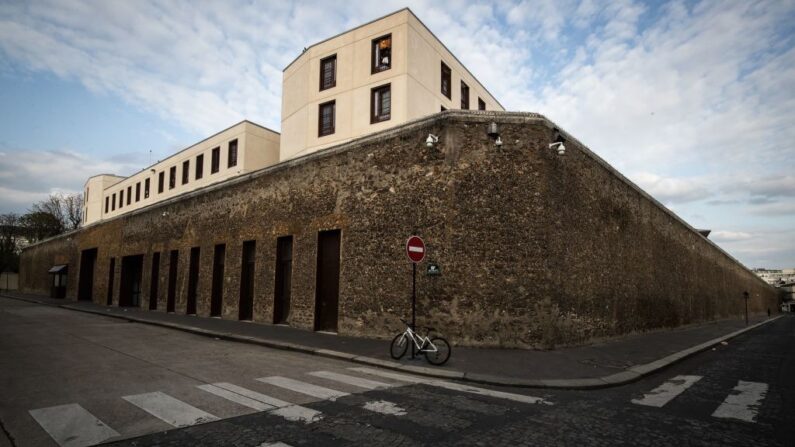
(85, 285)
(283, 282)
(131, 273)
(327, 280)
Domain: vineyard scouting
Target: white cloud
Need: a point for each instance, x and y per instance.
(723, 236)
(671, 190)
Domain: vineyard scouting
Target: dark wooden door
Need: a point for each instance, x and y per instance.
(328, 281)
(246, 305)
(217, 293)
(283, 282)
(131, 275)
(193, 280)
(85, 285)
(171, 299)
(111, 276)
(154, 281)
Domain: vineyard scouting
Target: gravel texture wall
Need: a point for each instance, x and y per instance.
(535, 249)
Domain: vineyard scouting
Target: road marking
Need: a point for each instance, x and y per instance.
(235, 397)
(454, 386)
(274, 444)
(284, 409)
(303, 387)
(170, 410)
(72, 425)
(272, 401)
(384, 407)
(350, 380)
(744, 403)
(667, 391)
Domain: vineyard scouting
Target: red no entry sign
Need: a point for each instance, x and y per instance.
(415, 249)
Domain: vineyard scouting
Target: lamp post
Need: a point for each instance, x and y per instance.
(745, 295)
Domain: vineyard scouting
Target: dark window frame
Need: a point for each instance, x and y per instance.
(129, 194)
(121, 198)
(146, 189)
(185, 172)
(375, 53)
(231, 154)
(113, 202)
(447, 75)
(161, 182)
(172, 177)
(333, 82)
(138, 192)
(107, 204)
(481, 104)
(215, 160)
(199, 166)
(464, 96)
(321, 131)
(380, 117)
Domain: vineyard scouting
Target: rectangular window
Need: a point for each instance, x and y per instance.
(382, 54)
(129, 194)
(215, 161)
(86, 201)
(146, 189)
(443, 109)
(328, 72)
(446, 80)
(106, 204)
(380, 104)
(185, 171)
(121, 198)
(464, 96)
(232, 154)
(481, 104)
(138, 191)
(172, 177)
(160, 181)
(325, 118)
(199, 166)
(113, 203)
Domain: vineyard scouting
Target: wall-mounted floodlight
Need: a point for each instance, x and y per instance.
(431, 140)
(498, 142)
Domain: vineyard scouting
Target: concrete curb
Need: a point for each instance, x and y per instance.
(630, 374)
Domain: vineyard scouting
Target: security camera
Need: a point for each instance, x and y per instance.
(560, 147)
(431, 140)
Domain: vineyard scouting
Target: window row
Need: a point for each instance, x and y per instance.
(446, 88)
(380, 60)
(215, 164)
(380, 110)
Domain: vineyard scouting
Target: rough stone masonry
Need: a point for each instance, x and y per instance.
(535, 249)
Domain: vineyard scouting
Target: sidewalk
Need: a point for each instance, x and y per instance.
(607, 363)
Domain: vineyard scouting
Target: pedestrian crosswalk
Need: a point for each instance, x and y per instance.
(73, 425)
(742, 403)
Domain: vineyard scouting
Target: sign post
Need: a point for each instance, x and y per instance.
(415, 250)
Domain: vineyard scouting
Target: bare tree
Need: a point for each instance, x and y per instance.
(65, 208)
(10, 233)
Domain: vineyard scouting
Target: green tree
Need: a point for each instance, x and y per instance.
(40, 225)
(11, 234)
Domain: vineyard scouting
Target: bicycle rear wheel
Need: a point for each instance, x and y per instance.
(442, 353)
(398, 347)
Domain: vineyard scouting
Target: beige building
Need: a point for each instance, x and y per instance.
(242, 148)
(378, 75)
(373, 77)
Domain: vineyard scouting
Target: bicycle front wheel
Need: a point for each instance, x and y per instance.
(442, 353)
(398, 347)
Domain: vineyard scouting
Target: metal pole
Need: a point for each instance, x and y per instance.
(413, 302)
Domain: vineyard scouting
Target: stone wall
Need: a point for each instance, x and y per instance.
(535, 249)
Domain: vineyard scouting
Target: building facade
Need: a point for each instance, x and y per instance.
(308, 228)
(242, 148)
(376, 76)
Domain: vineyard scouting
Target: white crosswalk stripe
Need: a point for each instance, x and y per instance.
(453, 386)
(303, 387)
(666, 392)
(170, 410)
(744, 403)
(274, 444)
(72, 425)
(257, 400)
(350, 380)
(253, 395)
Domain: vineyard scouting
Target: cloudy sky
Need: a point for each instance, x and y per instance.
(693, 100)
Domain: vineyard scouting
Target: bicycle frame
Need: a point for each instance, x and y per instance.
(416, 338)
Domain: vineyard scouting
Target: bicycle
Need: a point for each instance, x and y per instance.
(436, 350)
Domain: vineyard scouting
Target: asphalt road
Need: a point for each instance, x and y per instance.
(74, 379)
